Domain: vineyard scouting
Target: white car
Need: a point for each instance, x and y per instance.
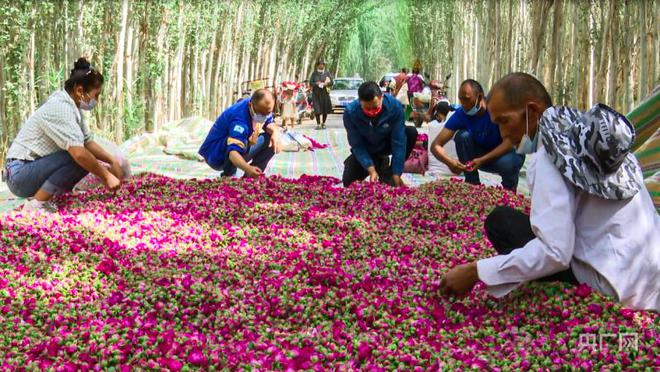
(386, 78)
(344, 91)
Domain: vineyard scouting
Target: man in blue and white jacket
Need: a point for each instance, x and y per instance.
(376, 129)
(243, 137)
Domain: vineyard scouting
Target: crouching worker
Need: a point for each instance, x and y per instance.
(244, 136)
(592, 219)
(376, 129)
(54, 148)
(479, 145)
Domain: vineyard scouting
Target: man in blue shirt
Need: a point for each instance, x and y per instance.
(376, 129)
(243, 137)
(479, 144)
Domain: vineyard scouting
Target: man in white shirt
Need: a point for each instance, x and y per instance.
(592, 220)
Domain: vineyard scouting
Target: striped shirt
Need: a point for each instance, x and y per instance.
(55, 126)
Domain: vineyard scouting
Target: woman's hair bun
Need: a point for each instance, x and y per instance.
(83, 74)
(81, 64)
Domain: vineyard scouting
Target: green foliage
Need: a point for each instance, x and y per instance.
(133, 119)
(176, 69)
(53, 78)
(170, 34)
(379, 42)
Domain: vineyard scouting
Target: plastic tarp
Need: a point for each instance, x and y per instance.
(646, 119)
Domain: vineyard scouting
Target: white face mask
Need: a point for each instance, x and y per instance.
(527, 145)
(259, 118)
(89, 105)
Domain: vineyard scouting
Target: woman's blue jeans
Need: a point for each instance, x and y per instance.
(56, 173)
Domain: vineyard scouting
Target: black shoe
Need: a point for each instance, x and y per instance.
(323, 126)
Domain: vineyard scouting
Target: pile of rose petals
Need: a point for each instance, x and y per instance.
(287, 274)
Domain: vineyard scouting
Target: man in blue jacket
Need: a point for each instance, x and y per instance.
(376, 129)
(244, 137)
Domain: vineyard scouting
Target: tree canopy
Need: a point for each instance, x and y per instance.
(173, 58)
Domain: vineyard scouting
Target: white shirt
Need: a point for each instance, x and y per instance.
(611, 245)
(436, 167)
(55, 126)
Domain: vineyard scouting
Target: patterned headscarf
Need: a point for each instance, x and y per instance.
(592, 150)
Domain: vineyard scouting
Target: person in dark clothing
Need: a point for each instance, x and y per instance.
(376, 129)
(508, 229)
(321, 81)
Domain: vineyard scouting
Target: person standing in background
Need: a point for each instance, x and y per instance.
(400, 79)
(415, 81)
(321, 81)
(288, 107)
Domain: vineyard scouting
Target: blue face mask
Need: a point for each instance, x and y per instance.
(527, 145)
(473, 111)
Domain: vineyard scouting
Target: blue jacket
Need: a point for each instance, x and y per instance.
(370, 136)
(230, 132)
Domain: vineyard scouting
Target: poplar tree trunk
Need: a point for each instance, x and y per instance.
(554, 48)
(119, 82)
(539, 21)
(32, 86)
(509, 51)
(643, 54)
(613, 58)
(129, 66)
